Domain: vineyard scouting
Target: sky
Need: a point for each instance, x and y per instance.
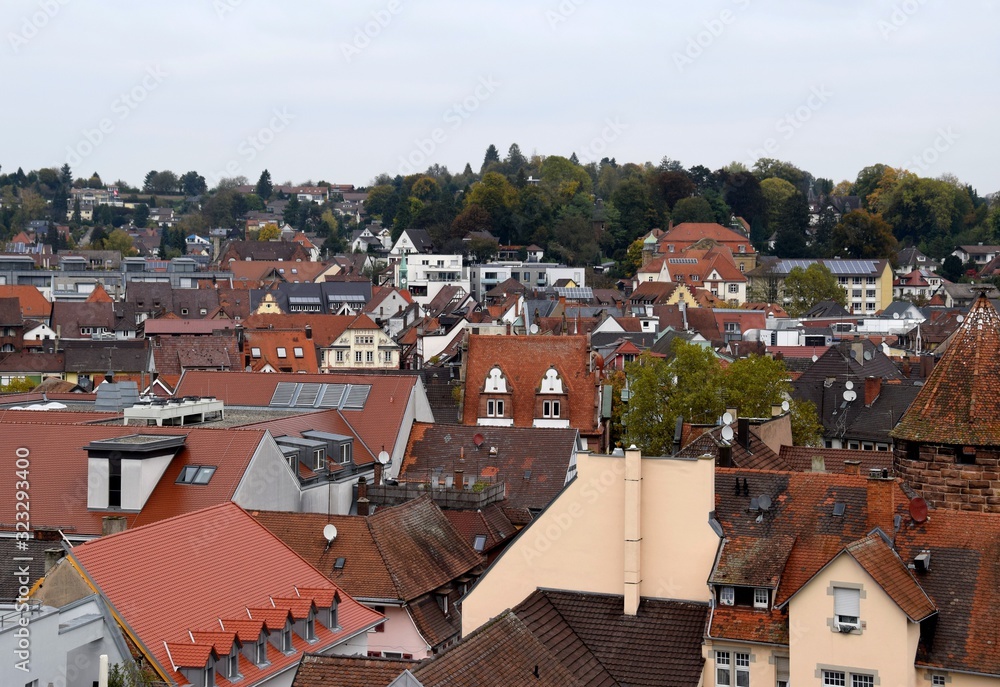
(344, 91)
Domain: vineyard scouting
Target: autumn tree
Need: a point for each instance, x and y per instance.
(861, 234)
(269, 232)
(804, 288)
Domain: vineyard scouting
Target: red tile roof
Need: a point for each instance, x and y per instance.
(59, 473)
(876, 556)
(348, 671)
(749, 625)
(524, 361)
(164, 581)
(325, 328)
(299, 352)
(799, 458)
(33, 304)
(490, 522)
(960, 402)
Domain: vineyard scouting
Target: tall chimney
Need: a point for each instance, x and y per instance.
(852, 467)
(725, 456)
(881, 501)
(776, 409)
(743, 432)
(873, 387)
(818, 464)
(113, 524)
(633, 530)
(460, 470)
(377, 477)
(363, 502)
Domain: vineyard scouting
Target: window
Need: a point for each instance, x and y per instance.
(286, 639)
(209, 675)
(781, 670)
(311, 627)
(184, 311)
(340, 356)
(550, 409)
(834, 678)
(232, 663)
(334, 615)
(856, 293)
(727, 595)
(479, 543)
(494, 408)
(723, 669)
(938, 680)
(299, 353)
(841, 280)
(357, 356)
(760, 598)
(319, 459)
(196, 474)
(862, 680)
(282, 353)
(870, 280)
(369, 356)
(733, 288)
(114, 483)
(260, 654)
(345, 454)
(869, 293)
(869, 307)
(743, 249)
(846, 609)
(857, 280)
(255, 352)
(742, 662)
(442, 600)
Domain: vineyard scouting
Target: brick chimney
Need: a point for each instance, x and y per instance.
(852, 467)
(363, 503)
(113, 524)
(460, 471)
(377, 477)
(881, 501)
(873, 387)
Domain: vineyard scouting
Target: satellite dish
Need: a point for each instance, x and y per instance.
(727, 418)
(918, 510)
(330, 533)
(383, 458)
(853, 354)
(533, 329)
(850, 395)
(848, 384)
(727, 433)
(599, 361)
(785, 406)
(960, 319)
(478, 440)
(895, 316)
(868, 355)
(815, 358)
(764, 501)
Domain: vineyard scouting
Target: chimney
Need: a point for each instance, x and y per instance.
(873, 387)
(363, 496)
(881, 501)
(633, 533)
(852, 467)
(743, 432)
(725, 456)
(818, 464)
(377, 477)
(460, 470)
(113, 524)
(52, 556)
(776, 410)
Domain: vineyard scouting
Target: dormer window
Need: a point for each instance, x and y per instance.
(345, 454)
(550, 409)
(551, 382)
(311, 627)
(494, 408)
(727, 596)
(496, 383)
(233, 664)
(196, 474)
(282, 353)
(260, 651)
(760, 597)
(286, 639)
(319, 459)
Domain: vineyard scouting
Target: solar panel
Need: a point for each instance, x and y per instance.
(357, 396)
(345, 298)
(283, 394)
(683, 261)
(303, 300)
(308, 395)
(332, 396)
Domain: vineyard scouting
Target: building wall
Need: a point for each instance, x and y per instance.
(578, 542)
(886, 646)
(400, 634)
(763, 668)
(268, 483)
(945, 483)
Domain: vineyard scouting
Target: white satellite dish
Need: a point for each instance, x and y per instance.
(727, 433)
(960, 319)
(850, 395)
(764, 501)
(895, 316)
(727, 418)
(383, 458)
(533, 329)
(785, 406)
(815, 358)
(848, 384)
(330, 532)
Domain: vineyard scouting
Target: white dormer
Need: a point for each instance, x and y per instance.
(496, 383)
(551, 383)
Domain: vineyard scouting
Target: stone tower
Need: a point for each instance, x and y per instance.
(948, 443)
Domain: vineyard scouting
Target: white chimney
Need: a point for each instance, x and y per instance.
(633, 533)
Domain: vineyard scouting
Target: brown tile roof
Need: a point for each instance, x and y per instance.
(533, 463)
(503, 652)
(627, 649)
(748, 561)
(960, 402)
(490, 522)
(524, 361)
(876, 556)
(299, 352)
(173, 355)
(348, 671)
(758, 456)
(746, 624)
(33, 303)
(799, 458)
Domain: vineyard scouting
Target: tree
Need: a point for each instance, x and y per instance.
(806, 427)
(754, 384)
(147, 183)
(952, 268)
(269, 232)
(804, 288)
(492, 157)
(17, 385)
(867, 181)
(515, 160)
(140, 215)
(791, 227)
(742, 193)
(776, 193)
(264, 186)
(769, 168)
(119, 240)
(193, 184)
(293, 212)
(922, 209)
(695, 209)
(861, 234)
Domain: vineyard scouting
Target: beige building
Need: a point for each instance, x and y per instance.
(362, 345)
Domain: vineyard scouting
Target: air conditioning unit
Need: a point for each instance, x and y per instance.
(846, 627)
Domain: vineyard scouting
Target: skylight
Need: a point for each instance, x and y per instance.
(839, 508)
(196, 474)
(479, 543)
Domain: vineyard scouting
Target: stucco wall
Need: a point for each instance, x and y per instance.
(268, 483)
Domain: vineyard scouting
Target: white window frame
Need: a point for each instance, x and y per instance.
(733, 288)
(846, 607)
(494, 408)
(938, 680)
(551, 409)
(834, 678)
(286, 639)
(340, 356)
(741, 663)
(758, 601)
(282, 352)
(727, 596)
(255, 352)
(260, 651)
(232, 664)
(357, 356)
(723, 669)
(862, 680)
(369, 356)
(298, 352)
(319, 459)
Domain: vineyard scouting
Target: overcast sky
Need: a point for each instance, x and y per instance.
(343, 91)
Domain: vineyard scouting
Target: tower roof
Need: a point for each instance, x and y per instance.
(960, 403)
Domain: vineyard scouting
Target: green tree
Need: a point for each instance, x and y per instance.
(140, 215)
(755, 383)
(776, 193)
(922, 209)
(119, 240)
(17, 385)
(264, 187)
(804, 288)
(867, 181)
(791, 227)
(806, 427)
(952, 268)
(861, 234)
(492, 157)
(562, 179)
(193, 184)
(695, 209)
